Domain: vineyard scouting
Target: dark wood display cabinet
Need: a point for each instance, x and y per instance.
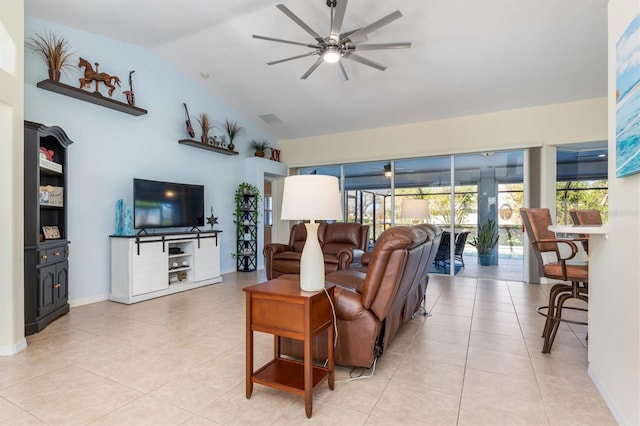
(46, 247)
(247, 232)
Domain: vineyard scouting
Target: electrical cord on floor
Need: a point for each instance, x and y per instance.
(335, 320)
(361, 376)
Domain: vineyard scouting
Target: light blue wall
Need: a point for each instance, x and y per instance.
(111, 148)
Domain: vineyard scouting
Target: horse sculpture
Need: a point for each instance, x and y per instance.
(99, 77)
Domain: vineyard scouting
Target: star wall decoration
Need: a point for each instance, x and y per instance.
(212, 220)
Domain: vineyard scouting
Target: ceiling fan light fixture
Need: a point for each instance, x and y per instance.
(331, 54)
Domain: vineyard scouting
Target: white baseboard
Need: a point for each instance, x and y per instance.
(88, 300)
(605, 396)
(6, 350)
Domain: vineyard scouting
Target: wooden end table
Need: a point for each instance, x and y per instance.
(280, 308)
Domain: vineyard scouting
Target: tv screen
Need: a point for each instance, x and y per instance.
(167, 205)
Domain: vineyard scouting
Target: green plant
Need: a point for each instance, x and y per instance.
(232, 129)
(260, 144)
(487, 237)
(54, 51)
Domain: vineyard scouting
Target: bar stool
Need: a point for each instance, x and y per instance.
(536, 222)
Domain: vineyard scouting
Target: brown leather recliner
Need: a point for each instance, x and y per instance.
(341, 244)
(372, 306)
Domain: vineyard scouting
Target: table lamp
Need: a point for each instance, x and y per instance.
(414, 208)
(311, 197)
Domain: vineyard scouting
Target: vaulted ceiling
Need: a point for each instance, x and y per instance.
(468, 56)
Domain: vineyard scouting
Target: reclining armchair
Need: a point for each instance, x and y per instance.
(373, 303)
(341, 244)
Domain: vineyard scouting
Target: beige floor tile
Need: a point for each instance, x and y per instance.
(448, 321)
(145, 411)
(442, 308)
(8, 410)
(193, 391)
(378, 421)
(437, 351)
(499, 362)
(413, 405)
(359, 394)
(491, 398)
(264, 407)
(430, 374)
(496, 327)
(199, 421)
(444, 335)
(498, 342)
(497, 316)
(494, 306)
(323, 413)
(24, 419)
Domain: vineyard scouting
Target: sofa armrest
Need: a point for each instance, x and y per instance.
(348, 304)
(275, 248)
(365, 258)
(345, 257)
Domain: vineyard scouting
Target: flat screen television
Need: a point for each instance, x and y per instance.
(167, 205)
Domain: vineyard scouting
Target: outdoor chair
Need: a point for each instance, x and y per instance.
(461, 241)
(442, 255)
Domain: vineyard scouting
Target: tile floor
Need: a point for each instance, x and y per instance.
(179, 360)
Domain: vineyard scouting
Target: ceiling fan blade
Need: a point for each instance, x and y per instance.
(313, 67)
(337, 19)
(299, 21)
(279, 40)
(379, 46)
(342, 72)
(291, 58)
(356, 37)
(364, 61)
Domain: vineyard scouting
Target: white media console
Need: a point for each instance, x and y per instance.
(147, 266)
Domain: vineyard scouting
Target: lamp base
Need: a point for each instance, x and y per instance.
(312, 261)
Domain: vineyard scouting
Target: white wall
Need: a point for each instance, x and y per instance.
(614, 299)
(11, 179)
(111, 148)
(579, 121)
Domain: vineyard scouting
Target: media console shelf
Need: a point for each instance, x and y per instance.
(148, 266)
(83, 95)
(201, 145)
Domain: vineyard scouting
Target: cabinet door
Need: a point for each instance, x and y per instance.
(206, 259)
(148, 268)
(61, 292)
(47, 290)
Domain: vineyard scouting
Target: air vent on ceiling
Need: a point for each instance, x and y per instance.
(270, 119)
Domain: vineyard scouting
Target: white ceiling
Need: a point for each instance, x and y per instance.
(468, 56)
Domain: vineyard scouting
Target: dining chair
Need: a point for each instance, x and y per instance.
(545, 245)
(585, 217)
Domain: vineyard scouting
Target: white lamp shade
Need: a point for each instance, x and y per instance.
(311, 197)
(413, 208)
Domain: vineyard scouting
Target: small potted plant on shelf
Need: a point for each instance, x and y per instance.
(485, 241)
(260, 146)
(206, 125)
(232, 129)
(54, 51)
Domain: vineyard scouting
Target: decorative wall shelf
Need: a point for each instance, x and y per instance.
(83, 95)
(200, 145)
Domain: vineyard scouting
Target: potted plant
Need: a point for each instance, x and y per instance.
(206, 125)
(53, 50)
(485, 241)
(232, 129)
(260, 146)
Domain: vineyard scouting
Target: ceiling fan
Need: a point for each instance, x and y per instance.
(338, 44)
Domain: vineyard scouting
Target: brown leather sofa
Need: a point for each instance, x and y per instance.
(341, 243)
(374, 301)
